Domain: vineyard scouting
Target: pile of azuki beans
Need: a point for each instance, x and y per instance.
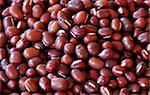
(74, 47)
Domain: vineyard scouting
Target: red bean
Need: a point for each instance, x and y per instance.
(31, 52)
(15, 57)
(11, 71)
(59, 84)
(78, 75)
(118, 70)
(128, 42)
(81, 52)
(75, 5)
(16, 12)
(45, 84)
(78, 19)
(96, 63)
(90, 86)
(31, 85)
(37, 11)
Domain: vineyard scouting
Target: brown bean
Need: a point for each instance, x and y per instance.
(31, 85)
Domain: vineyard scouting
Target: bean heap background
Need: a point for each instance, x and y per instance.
(74, 47)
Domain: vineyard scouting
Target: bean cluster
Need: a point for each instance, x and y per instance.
(74, 47)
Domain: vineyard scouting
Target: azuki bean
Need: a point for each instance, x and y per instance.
(116, 24)
(90, 37)
(93, 48)
(8, 21)
(81, 51)
(104, 22)
(52, 65)
(60, 42)
(106, 54)
(141, 12)
(12, 84)
(96, 63)
(90, 86)
(122, 82)
(69, 48)
(53, 27)
(105, 32)
(31, 85)
(11, 71)
(78, 19)
(105, 90)
(16, 12)
(2, 53)
(59, 84)
(118, 70)
(47, 39)
(113, 84)
(143, 37)
(126, 24)
(140, 68)
(37, 11)
(31, 52)
(15, 57)
(11, 31)
(124, 91)
(78, 75)
(41, 69)
(143, 82)
(75, 5)
(135, 88)
(66, 59)
(102, 80)
(3, 77)
(128, 42)
(78, 64)
(77, 32)
(44, 83)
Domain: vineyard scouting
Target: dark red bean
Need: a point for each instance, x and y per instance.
(116, 24)
(90, 86)
(128, 63)
(11, 71)
(105, 90)
(2, 53)
(102, 80)
(3, 40)
(44, 83)
(81, 51)
(118, 70)
(124, 91)
(135, 88)
(110, 63)
(15, 57)
(41, 69)
(93, 48)
(140, 68)
(16, 12)
(102, 13)
(37, 11)
(78, 75)
(105, 32)
(22, 68)
(130, 76)
(52, 65)
(128, 42)
(11, 31)
(143, 82)
(126, 24)
(106, 54)
(143, 37)
(31, 85)
(122, 82)
(77, 32)
(59, 84)
(78, 19)
(78, 64)
(3, 77)
(47, 39)
(141, 12)
(106, 72)
(96, 63)
(113, 84)
(60, 42)
(69, 48)
(75, 5)
(90, 37)
(31, 52)
(66, 59)
(12, 84)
